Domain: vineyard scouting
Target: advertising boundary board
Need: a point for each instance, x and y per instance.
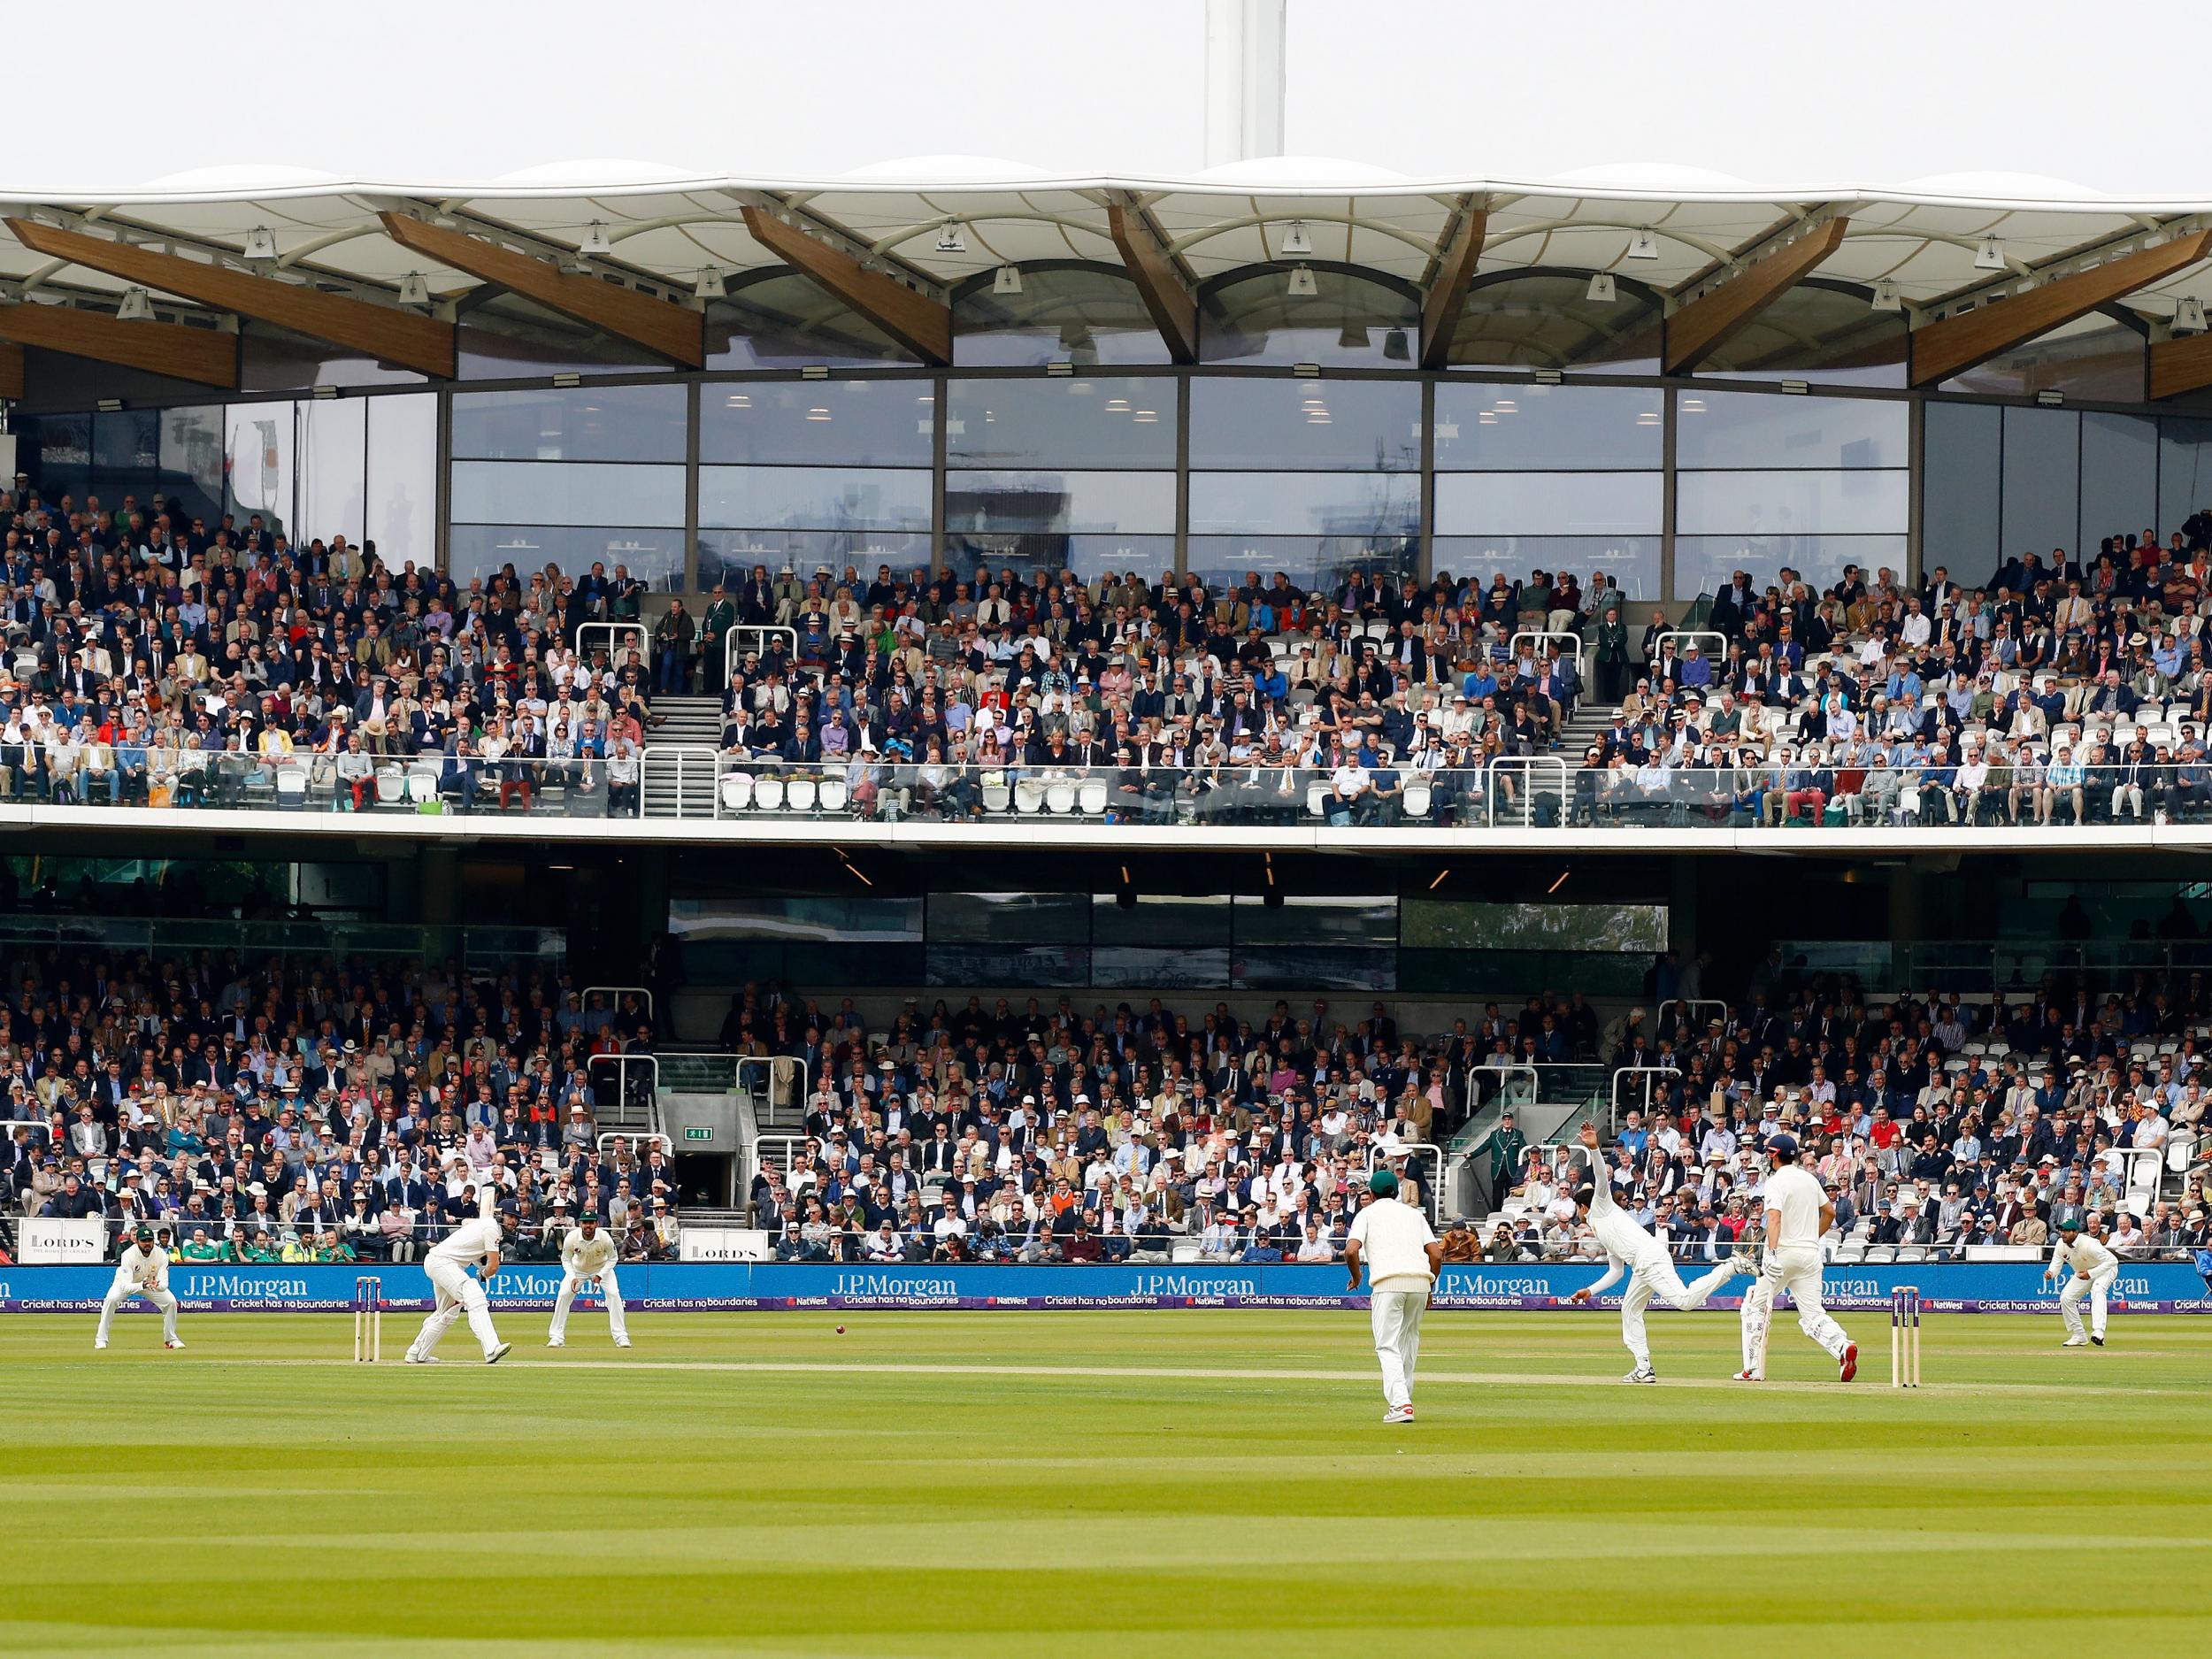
(727, 1286)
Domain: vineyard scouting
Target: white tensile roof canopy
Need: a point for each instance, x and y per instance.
(1939, 246)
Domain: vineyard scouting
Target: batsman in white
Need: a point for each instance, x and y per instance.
(143, 1271)
(1652, 1274)
(1797, 1214)
(473, 1244)
(587, 1253)
(1403, 1256)
(2095, 1270)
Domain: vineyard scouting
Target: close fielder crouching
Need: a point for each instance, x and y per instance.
(1652, 1275)
(587, 1255)
(141, 1270)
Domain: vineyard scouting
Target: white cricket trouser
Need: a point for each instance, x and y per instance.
(1654, 1278)
(122, 1290)
(1796, 1269)
(1397, 1318)
(607, 1287)
(2096, 1288)
(457, 1294)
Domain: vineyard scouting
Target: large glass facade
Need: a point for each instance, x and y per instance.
(1774, 482)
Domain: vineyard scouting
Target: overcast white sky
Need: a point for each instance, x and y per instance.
(1776, 91)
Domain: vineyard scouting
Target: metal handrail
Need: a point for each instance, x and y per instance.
(622, 1062)
(752, 630)
(633, 990)
(1572, 642)
(1433, 1188)
(1528, 767)
(684, 756)
(614, 631)
(1659, 645)
(1613, 1090)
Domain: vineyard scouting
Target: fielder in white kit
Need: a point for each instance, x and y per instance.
(1797, 1214)
(473, 1244)
(2095, 1270)
(587, 1255)
(1652, 1272)
(1402, 1255)
(143, 1271)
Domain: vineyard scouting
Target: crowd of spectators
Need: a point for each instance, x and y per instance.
(301, 1111)
(1942, 1122)
(2056, 690)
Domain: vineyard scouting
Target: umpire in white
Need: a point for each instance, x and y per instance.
(1402, 1255)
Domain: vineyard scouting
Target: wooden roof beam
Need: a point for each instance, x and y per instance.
(2182, 363)
(1955, 344)
(1456, 256)
(667, 330)
(382, 332)
(1697, 330)
(918, 323)
(1173, 305)
(205, 355)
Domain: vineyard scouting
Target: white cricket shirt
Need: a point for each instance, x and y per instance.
(2087, 1256)
(1393, 1237)
(588, 1258)
(1794, 1195)
(468, 1244)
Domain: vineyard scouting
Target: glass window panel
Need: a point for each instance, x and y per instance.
(1357, 426)
(961, 967)
(1779, 429)
(858, 422)
(1313, 504)
(1513, 428)
(1462, 925)
(1163, 922)
(1293, 967)
(729, 556)
(1630, 561)
(1093, 420)
(192, 460)
(60, 447)
(1313, 564)
(1082, 316)
(1150, 556)
(1143, 970)
(798, 918)
(1828, 335)
(787, 321)
(1550, 503)
(1791, 503)
(814, 498)
(1702, 564)
(2092, 357)
(1548, 321)
(2184, 471)
(563, 492)
(333, 463)
(577, 423)
(1009, 919)
(655, 553)
(1960, 489)
(1347, 319)
(126, 459)
(1317, 921)
(275, 360)
(1000, 503)
(510, 338)
(2119, 479)
(403, 488)
(257, 470)
(2042, 480)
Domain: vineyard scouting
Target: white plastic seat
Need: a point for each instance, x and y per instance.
(1060, 798)
(422, 784)
(391, 786)
(1417, 798)
(737, 791)
(1091, 797)
(768, 794)
(998, 795)
(832, 794)
(1316, 799)
(800, 795)
(291, 786)
(1029, 796)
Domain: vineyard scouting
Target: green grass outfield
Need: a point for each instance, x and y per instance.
(1059, 1486)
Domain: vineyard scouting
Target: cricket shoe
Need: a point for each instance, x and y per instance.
(499, 1353)
(1642, 1373)
(1399, 1414)
(622, 1342)
(2075, 1341)
(2098, 1340)
(98, 1342)
(172, 1342)
(555, 1341)
(414, 1358)
(1748, 1376)
(1849, 1363)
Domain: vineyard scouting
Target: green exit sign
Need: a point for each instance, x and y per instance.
(698, 1134)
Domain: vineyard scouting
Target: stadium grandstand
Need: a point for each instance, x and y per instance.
(517, 681)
